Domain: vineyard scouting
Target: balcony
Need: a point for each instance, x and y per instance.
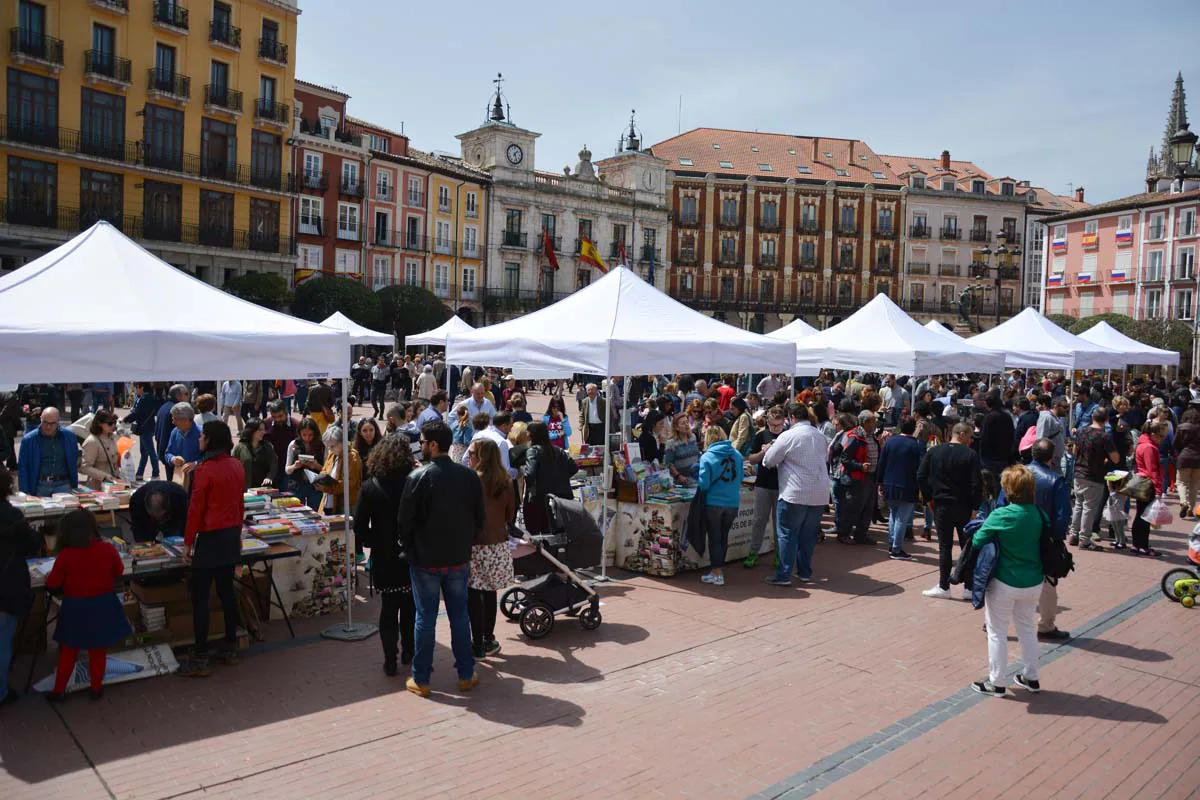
(272, 50)
(731, 222)
(225, 35)
(769, 225)
(313, 180)
(1009, 237)
(651, 254)
(221, 169)
(222, 98)
(385, 193)
(168, 84)
(169, 14)
(268, 110)
(980, 235)
(810, 226)
(29, 132)
(555, 242)
(99, 65)
(312, 226)
(469, 250)
(115, 6)
(728, 258)
(26, 45)
(883, 268)
(1009, 273)
(416, 199)
(445, 247)
(350, 233)
(614, 249)
(918, 232)
(885, 233)
(415, 243)
(514, 239)
(952, 234)
(689, 221)
(384, 237)
(949, 270)
(808, 262)
(844, 229)
(473, 212)
(766, 260)
(215, 236)
(918, 268)
(509, 300)
(845, 265)
(350, 187)
(686, 258)
(1156, 232)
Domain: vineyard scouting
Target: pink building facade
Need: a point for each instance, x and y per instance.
(1134, 256)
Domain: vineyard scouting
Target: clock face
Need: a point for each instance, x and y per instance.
(648, 179)
(514, 154)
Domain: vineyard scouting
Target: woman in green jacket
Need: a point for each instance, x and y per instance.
(1016, 584)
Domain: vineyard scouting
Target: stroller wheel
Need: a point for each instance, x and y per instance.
(590, 619)
(1173, 575)
(513, 602)
(537, 621)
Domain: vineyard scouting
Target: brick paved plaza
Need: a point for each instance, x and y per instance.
(855, 686)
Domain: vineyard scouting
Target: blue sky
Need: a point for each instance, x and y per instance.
(1058, 93)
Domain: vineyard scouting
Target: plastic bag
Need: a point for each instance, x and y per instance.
(1157, 514)
(1114, 510)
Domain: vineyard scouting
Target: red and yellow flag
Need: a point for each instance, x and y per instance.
(548, 248)
(588, 254)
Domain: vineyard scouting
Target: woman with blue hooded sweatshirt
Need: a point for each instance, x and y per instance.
(721, 479)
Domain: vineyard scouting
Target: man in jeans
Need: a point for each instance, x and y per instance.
(440, 513)
(1053, 500)
(799, 455)
(1094, 452)
(950, 476)
(766, 484)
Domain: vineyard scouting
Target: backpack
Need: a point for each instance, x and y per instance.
(833, 459)
(1057, 561)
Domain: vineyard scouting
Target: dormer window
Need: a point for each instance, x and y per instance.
(918, 181)
(977, 187)
(947, 185)
(685, 162)
(1007, 189)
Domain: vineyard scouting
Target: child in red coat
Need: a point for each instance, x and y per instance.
(91, 617)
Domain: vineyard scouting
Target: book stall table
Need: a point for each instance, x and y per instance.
(650, 536)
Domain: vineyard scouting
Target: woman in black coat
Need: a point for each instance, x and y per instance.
(375, 524)
(547, 471)
(17, 543)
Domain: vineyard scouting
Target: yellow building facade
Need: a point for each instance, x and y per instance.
(457, 230)
(168, 119)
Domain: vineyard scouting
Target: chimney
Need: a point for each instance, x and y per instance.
(1079, 195)
(945, 159)
(816, 144)
(852, 152)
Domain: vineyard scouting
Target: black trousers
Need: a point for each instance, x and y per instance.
(378, 397)
(201, 579)
(1140, 530)
(860, 499)
(397, 619)
(481, 607)
(595, 434)
(947, 519)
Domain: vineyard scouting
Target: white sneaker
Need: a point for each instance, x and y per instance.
(938, 591)
(966, 594)
(715, 580)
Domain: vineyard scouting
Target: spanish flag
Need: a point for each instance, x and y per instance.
(302, 275)
(588, 254)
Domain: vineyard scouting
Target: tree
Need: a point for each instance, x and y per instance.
(261, 288)
(1064, 321)
(318, 298)
(407, 309)
(1165, 334)
(1121, 322)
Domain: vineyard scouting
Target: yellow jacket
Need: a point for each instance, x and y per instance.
(332, 501)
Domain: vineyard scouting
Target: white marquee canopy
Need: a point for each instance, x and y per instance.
(101, 308)
(1135, 352)
(1030, 340)
(358, 334)
(794, 331)
(619, 325)
(437, 336)
(880, 337)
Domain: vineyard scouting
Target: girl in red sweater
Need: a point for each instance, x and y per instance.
(91, 617)
(1147, 463)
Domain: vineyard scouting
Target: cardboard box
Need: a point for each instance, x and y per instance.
(133, 611)
(181, 627)
(160, 593)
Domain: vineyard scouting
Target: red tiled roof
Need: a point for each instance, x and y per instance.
(1130, 203)
(1057, 202)
(962, 170)
(321, 88)
(783, 152)
(372, 126)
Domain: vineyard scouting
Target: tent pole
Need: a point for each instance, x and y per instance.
(348, 631)
(625, 415)
(608, 395)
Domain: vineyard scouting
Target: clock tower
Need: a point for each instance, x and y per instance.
(634, 168)
(498, 146)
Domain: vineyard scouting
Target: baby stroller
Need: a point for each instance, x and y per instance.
(545, 567)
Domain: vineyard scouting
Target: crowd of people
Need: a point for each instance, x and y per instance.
(437, 479)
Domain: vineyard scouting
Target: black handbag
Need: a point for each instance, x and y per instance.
(696, 527)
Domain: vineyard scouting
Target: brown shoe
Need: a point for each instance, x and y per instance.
(468, 684)
(416, 688)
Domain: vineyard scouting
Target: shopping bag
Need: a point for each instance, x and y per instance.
(1157, 514)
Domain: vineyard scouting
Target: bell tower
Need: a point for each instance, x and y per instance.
(633, 168)
(498, 145)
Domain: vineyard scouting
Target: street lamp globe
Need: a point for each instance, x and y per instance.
(1183, 146)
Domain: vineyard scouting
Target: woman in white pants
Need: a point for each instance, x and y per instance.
(1016, 584)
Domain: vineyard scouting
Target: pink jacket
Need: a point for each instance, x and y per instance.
(1147, 462)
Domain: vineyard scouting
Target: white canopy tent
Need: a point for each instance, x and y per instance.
(619, 325)
(101, 307)
(358, 334)
(794, 331)
(880, 337)
(942, 330)
(438, 335)
(1135, 352)
(1030, 340)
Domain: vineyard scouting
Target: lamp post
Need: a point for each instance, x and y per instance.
(1183, 147)
(982, 269)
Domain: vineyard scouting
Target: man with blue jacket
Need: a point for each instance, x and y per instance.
(163, 426)
(49, 458)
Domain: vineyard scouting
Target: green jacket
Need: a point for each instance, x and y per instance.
(1017, 530)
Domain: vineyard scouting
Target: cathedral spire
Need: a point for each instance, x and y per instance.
(1176, 119)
